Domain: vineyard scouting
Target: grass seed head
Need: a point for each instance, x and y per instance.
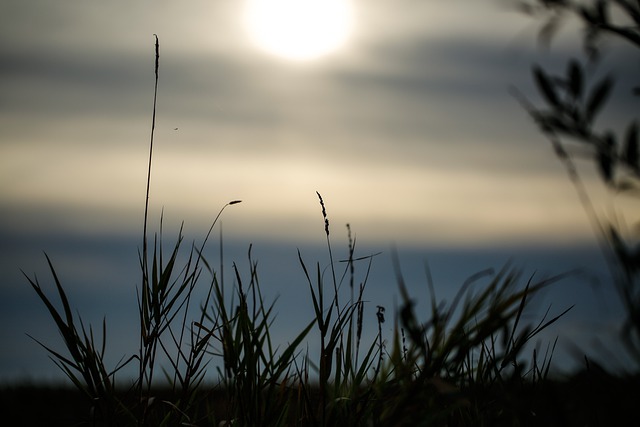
(324, 214)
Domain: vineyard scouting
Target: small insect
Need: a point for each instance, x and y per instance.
(380, 314)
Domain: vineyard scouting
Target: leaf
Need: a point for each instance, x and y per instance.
(545, 86)
(586, 14)
(575, 79)
(601, 8)
(552, 123)
(630, 155)
(631, 10)
(605, 158)
(619, 246)
(597, 97)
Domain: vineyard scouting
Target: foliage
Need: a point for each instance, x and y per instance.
(439, 370)
(460, 363)
(569, 117)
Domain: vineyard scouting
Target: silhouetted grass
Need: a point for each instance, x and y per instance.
(462, 363)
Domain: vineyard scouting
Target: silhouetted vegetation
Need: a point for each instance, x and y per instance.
(463, 363)
(569, 121)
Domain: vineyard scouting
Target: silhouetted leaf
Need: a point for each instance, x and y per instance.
(545, 86)
(631, 148)
(575, 79)
(601, 8)
(597, 98)
(552, 123)
(628, 257)
(632, 10)
(619, 246)
(586, 14)
(605, 158)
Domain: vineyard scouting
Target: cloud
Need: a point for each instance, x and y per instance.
(411, 131)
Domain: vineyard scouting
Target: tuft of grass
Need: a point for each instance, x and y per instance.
(441, 369)
(458, 364)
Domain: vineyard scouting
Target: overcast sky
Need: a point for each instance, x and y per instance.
(409, 131)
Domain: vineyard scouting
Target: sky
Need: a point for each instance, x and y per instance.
(408, 131)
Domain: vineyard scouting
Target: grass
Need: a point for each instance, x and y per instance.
(460, 363)
(438, 370)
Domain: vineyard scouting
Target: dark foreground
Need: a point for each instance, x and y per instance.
(587, 399)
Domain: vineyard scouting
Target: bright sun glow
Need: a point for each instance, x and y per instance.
(299, 29)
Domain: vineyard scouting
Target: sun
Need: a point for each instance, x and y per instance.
(298, 29)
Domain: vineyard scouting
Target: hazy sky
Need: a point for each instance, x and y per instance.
(408, 130)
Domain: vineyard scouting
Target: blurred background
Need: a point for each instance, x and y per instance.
(398, 113)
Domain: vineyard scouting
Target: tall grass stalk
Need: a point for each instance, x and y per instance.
(455, 364)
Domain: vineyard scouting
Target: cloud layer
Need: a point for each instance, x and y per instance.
(409, 132)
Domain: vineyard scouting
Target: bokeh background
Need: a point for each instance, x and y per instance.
(409, 132)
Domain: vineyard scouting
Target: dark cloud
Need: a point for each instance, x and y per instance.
(56, 86)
